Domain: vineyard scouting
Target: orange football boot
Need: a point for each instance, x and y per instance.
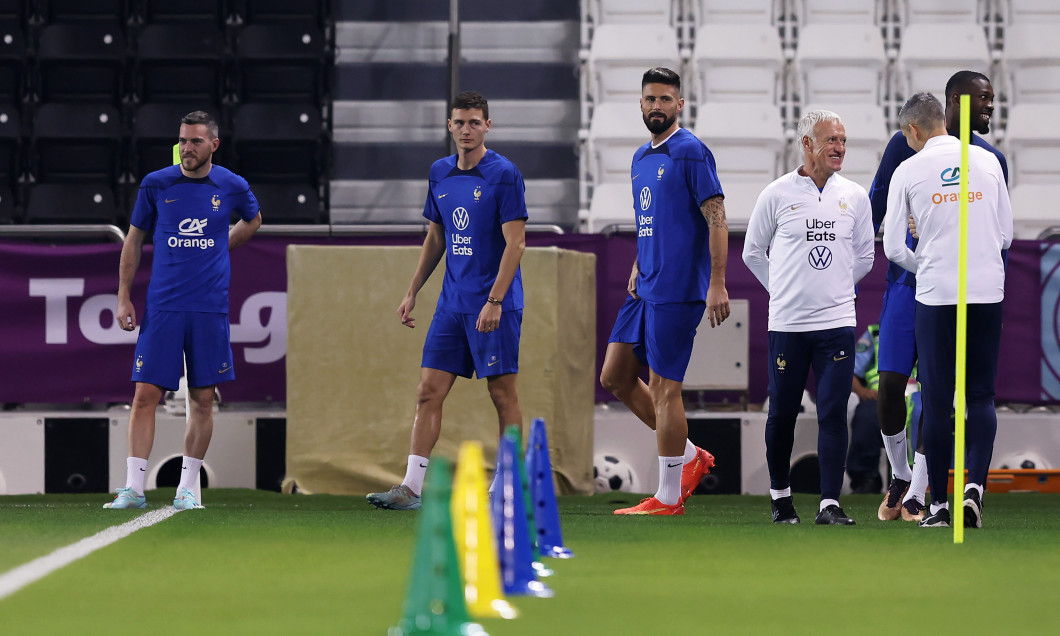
(652, 506)
(693, 472)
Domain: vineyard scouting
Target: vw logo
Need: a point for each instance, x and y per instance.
(191, 227)
(820, 257)
(645, 198)
(461, 219)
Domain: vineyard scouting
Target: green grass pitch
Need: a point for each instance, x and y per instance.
(261, 563)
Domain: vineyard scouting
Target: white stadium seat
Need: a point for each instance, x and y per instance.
(746, 139)
(740, 199)
(737, 62)
(619, 55)
(631, 11)
(841, 65)
(616, 131)
(912, 12)
(737, 11)
(1032, 144)
(612, 204)
(1030, 12)
(839, 11)
(930, 53)
(1031, 63)
(1031, 210)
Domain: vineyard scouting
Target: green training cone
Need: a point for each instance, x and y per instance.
(435, 602)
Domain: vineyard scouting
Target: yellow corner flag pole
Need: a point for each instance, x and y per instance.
(962, 329)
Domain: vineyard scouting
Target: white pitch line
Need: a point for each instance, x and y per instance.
(18, 578)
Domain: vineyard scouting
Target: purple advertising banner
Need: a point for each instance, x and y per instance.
(61, 343)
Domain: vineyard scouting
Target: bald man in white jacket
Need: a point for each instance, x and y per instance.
(926, 188)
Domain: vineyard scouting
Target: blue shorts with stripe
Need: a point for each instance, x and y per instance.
(661, 333)
(897, 352)
(169, 338)
(454, 345)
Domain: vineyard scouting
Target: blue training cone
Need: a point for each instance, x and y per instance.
(543, 494)
(514, 551)
(516, 436)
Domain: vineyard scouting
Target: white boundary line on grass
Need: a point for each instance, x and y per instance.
(18, 578)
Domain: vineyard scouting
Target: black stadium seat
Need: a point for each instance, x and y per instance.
(290, 203)
(81, 62)
(313, 12)
(77, 142)
(180, 62)
(12, 61)
(72, 203)
(8, 209)
(279, 142)
(111, 11)
(10, 146)
(280, 62)
(214, 12)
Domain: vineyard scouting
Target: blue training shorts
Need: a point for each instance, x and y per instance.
(454, 345)
(661, 333)
(168, 337)
(897, 352)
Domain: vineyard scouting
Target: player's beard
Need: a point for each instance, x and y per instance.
(983, 128)
(655, 126)
(196, 163)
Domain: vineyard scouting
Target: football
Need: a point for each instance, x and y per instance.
(611, 474)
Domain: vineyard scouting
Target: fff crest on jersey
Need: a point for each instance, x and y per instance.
(842, 204)
(461, 219)
(781, 363)
(661, 171)
(477, 193)
(139, 363)
(216, 201)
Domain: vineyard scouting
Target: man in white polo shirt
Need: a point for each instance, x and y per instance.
(927, 187)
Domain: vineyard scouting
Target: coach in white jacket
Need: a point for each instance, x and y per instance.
(809, 241)
(926, 186)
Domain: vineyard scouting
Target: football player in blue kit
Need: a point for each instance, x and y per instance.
(897, 344)
(679, 272)
(809, 241)
(186, 208)
(476, 206)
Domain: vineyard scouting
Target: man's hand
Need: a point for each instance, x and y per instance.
(717, 304)
(126, 315)
(489, 318)
(912, 227)
(865, 393)
(405, 312)
(631, 287)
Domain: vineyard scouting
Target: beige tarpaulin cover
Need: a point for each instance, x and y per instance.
(353, 368)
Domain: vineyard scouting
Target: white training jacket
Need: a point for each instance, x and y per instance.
(927, 186)
(809, 248)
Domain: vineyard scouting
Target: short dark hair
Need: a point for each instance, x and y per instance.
(661, 75)
(469, 100)
(923, 110)
(961, 79)
(201, 117)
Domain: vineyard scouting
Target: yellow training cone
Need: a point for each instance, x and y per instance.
(473, 535)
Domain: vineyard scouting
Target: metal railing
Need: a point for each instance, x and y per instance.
(111, 232)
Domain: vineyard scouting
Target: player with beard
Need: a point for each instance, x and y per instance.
(679, 272)
(897, 344)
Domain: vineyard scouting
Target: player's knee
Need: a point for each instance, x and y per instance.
(613, 383)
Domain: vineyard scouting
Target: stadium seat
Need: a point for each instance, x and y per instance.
(631, 12)
(867, 137)
(744, 11)
(1032, 144)
(611, 204)
(280, 62)
(180, 63)
(740, 199)
(287, 203)
(619, 55)
(1031, 212)
(616, 131)
(213, 12)
(155, 129)
(77, 142)
(931, 52)
(72, 203)
(281, 142)
(81, 62)
(8, 209)
(1030, 12)
(115, 12)
(912, 12)
(13, 52)
(1031, 64)
(855, 76)
(839, 11)
(377, 201)
(315, 12)
(10, 147)
(737, 62)
(746, 139)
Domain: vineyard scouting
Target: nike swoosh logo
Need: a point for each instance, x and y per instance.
(835, 359)
(673, 465)
(635, 176)
(142, 470)
(171, 200)
(442, 196)
(423, 465)
(490, 364)
(224, 369)
(183, 467)
(796, 206)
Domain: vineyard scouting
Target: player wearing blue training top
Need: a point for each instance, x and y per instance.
(186, 208)
(898, 350)
(477, 211)
(679, 272)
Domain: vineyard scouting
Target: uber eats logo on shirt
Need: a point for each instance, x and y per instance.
(461, 244)
(191, 235)
(644, 222)
(820, 230)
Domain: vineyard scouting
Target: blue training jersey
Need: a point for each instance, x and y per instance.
(898, 151)
(471, 205)
(670, 183)
(188, 219)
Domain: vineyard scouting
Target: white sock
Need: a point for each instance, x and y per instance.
(827, 502)
(977, 487)
(690, 451)
(414, 472)
(135, 471)
(897, 455)
(669, 491)
(936, 507)
(918, 485)
(777, 494)
(189, 471)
